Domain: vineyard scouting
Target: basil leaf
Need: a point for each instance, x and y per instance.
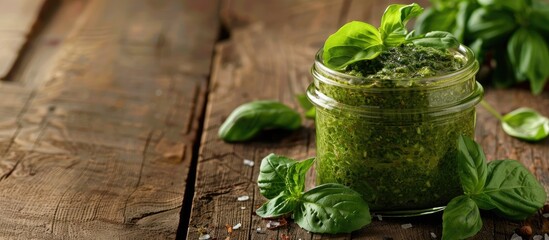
(272, 175)
(393, 22)
(249, 119)
(529, 55)
(310, 110)
(471, 165)
(281, 174)
(433, 20)
(503, 74)
(295, 176)
(445, 4)
(461, 219)
(526, 124)
(478, 48)
(278, 206)
(512, 190)
(465, 9)
(355, 41)
(513, 5)
(539, 16)
(332, 208)
(490, 25)
(436, 39)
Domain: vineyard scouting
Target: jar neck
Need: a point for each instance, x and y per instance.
(459, 89)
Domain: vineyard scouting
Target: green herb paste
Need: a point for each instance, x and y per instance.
(408, 61)
(396, 149)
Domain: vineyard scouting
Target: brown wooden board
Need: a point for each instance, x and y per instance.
(16, 21)
(268, 56)
(100, 146)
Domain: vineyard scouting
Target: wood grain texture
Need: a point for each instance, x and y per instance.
(99, 146)
(16, 21)
(268, 56)
(42, 52)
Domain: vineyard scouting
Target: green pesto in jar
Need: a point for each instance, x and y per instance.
(408, 61)
(392, 135)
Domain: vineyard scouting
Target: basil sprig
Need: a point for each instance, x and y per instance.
(514, 32)
(523, 123)
(503, 186)
(359, 41)
(247, 120)
(328, 208)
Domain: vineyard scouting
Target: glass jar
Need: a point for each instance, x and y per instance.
(394, 141)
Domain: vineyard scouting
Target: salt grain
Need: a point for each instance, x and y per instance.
(433, 235)
(379, 217)
(259, 230)
(273, 224)
(242, 208)
(516, 237)
(406, 226)
(237, 226)
(248, 162)
(537, 237)
(204, 237)
(243, 198)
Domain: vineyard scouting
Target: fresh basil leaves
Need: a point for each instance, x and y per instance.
(508, 189)
(461, 219)
(435, 39)
(471, 166)
(522, 123)
(332, 208)
(526, 124)
(515, 31)
(359, 41)
(328, 208)
(529, 55)
(512, 190)
(355, 41)
(393, 23)
(247, 120)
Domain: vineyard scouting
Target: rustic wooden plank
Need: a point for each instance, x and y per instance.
(42, 52)
(100, 145)
(255, 64)
(16, 21)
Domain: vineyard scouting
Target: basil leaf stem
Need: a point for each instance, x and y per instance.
(491, 110)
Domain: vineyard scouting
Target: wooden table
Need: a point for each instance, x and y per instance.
(110, 113)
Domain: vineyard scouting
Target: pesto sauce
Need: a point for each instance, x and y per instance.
(397, 161)
(408, 62)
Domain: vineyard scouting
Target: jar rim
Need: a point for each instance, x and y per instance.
(470, 66)
(441, 112)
